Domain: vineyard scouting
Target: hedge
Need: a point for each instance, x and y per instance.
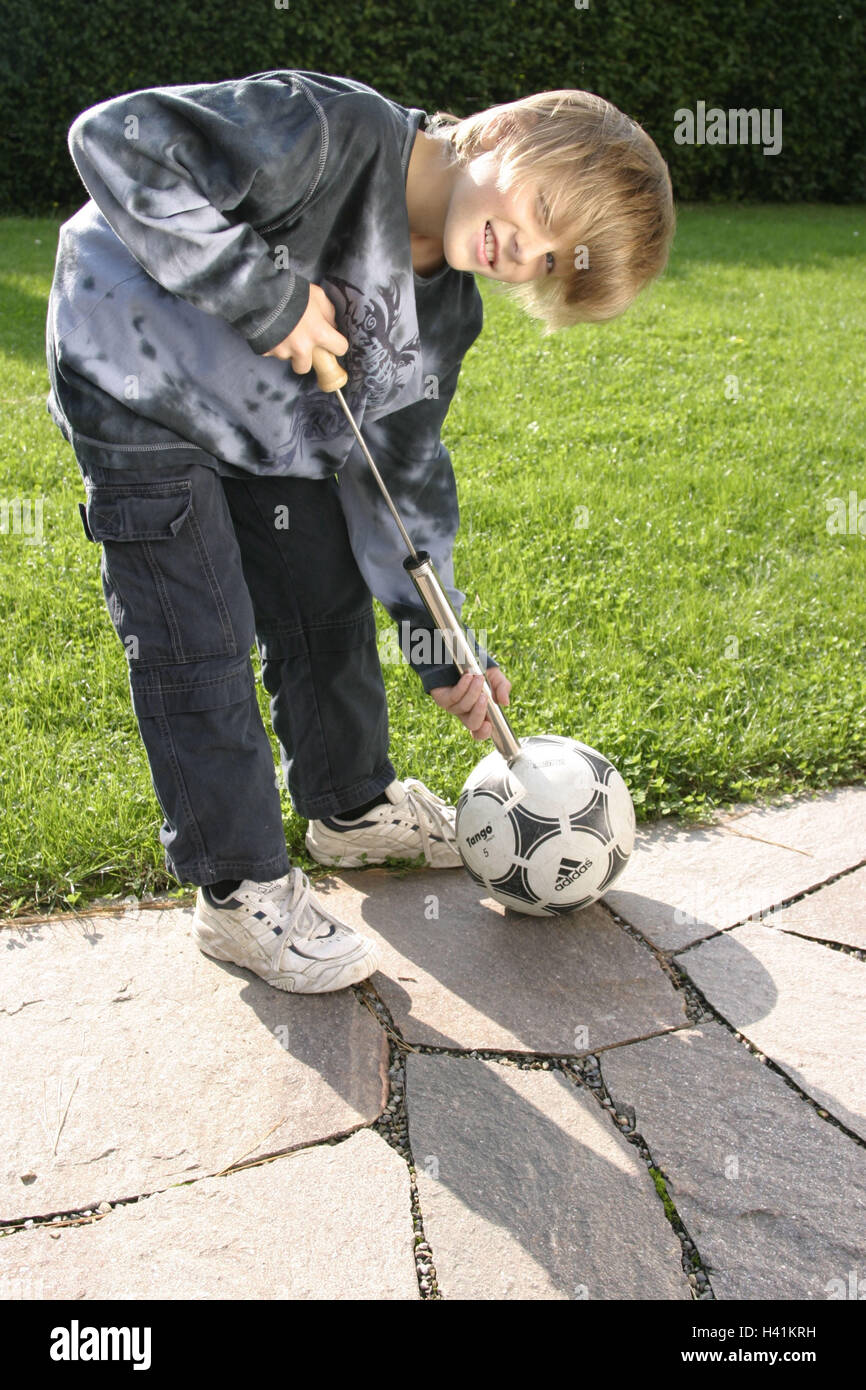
(806, 58)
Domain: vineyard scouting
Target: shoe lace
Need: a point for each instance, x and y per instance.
(431, 812)
(287, 903)
(306, 921)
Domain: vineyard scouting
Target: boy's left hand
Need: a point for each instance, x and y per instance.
(467, 700)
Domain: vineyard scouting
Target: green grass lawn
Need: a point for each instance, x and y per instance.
(644, 540)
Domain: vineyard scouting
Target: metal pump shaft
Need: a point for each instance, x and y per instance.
(331, 377)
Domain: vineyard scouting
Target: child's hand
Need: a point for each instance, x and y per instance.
(467, 700)
(314, 329)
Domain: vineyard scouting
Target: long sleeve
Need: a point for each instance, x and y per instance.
(189, 176)
(417, 470)
(213, 211)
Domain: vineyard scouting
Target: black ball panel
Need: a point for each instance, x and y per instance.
(530, 830)
(594, 818)
(515, 883)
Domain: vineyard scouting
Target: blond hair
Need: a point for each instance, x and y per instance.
(605, 184)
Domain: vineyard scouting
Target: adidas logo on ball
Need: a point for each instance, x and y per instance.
(480, 835)
(568, 871)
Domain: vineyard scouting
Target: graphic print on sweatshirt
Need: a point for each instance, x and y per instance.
(370, 322)
(378, 366)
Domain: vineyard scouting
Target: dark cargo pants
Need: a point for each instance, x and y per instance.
(195, 568)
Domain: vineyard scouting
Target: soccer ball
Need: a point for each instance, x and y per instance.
(551, 832)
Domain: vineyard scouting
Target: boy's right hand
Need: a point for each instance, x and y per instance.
(314, 329)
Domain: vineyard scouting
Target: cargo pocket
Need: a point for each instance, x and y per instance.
(159, 581)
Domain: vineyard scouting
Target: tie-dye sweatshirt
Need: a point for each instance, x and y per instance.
(212, 210)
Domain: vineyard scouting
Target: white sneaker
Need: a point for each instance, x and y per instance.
(280, 931)
(413, 823)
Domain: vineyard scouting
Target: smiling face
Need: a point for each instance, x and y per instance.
(504, 235)
(559, 197)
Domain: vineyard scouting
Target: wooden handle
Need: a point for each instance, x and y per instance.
(329, 374)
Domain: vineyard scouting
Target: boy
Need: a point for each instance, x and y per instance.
(232, 228)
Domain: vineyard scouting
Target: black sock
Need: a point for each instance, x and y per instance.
(224, 888)
(358, 811)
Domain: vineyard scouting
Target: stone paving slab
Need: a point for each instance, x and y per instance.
(132, 1061)
(332, 1222)
(773, 1197)
(527, 1191)
(478, 976)
(834, 913)
(681, 884)
(802, 1004)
